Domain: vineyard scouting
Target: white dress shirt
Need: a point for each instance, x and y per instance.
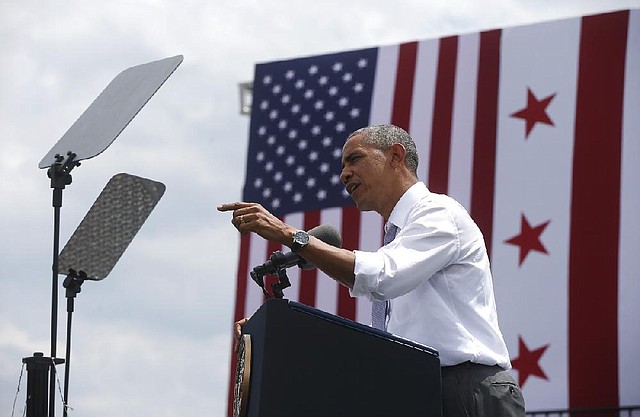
(437, 277)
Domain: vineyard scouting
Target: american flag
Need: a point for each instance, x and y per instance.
(535, 130)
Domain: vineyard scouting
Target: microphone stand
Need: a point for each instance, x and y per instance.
(258, 277)
(282, 283)
(258, 273)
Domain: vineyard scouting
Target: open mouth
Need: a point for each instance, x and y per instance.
(352, 187)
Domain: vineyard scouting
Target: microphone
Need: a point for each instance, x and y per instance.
(279, 260)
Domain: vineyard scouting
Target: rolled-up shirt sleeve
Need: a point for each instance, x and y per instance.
(419, 250)
(367, 270)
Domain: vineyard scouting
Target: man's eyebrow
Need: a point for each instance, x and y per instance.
(349, 157)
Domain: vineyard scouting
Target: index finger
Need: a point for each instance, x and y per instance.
(232, 206)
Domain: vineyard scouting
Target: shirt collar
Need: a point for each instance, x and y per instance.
(400, 212)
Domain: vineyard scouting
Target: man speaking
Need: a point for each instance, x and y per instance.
(430, 282)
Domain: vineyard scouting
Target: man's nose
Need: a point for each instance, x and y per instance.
(345, 175)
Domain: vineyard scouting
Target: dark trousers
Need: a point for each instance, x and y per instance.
(473, 390)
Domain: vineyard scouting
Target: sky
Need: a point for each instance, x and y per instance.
(154, 337)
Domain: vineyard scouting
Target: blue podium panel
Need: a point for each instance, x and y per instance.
(305, 362)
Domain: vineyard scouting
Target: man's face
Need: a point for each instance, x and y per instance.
(365, 174)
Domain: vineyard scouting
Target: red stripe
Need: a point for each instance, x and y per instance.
(242, 277)
(309, 278)
(442, 115)
(404, 85)
(403, 93)
(270, 279)
(239, 311)
(350, 232)
(595, 207)
(484, 148)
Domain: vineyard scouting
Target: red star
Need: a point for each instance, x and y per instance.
(529, 238)
(527, 362)
(535, 112)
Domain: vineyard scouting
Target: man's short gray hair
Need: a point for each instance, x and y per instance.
(384, 136)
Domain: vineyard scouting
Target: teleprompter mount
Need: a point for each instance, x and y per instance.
(90, 135)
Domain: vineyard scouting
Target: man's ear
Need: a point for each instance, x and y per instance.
(398, 153)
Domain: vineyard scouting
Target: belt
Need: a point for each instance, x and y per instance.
(467, 366)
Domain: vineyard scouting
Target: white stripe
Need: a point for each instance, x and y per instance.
(533, 176)
(384, 84)
(293, 292)
(463, 123)
(327, 288)
(422, 102)
(257, 256)
(629, 261)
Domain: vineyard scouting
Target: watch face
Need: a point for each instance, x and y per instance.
(301, 238)
(243, 377)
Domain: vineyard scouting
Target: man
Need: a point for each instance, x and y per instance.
(430, 283)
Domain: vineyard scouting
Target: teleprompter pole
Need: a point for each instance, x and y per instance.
(60, 174)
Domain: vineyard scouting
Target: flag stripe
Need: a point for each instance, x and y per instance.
(241, 282)
(293, 293)
(422, 106)
(270, 279)
(442, 115)
(350, 231)
(593, 256)
(461, 160)
(371, 235)
(401, 112)
(309, 278)
(484, 151)
(383, 85)
(629, 285)
(327, 288)
(402, 101)
(257, 256)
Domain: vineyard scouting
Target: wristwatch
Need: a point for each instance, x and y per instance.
(300, 240)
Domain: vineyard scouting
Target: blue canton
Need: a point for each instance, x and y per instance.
(302, 112)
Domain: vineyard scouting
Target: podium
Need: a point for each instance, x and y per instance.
(295, 360)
